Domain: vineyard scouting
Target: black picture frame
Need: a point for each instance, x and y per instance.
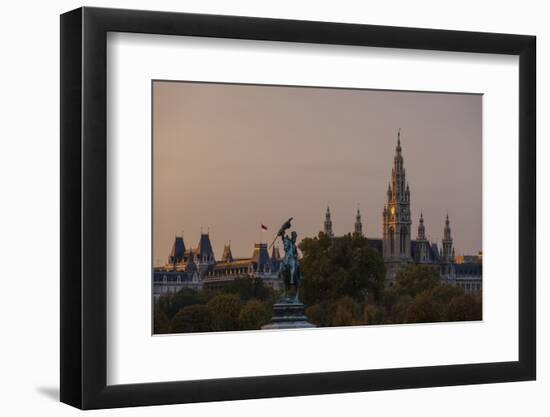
(84, 207)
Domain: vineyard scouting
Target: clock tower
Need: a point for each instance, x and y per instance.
(396, 218)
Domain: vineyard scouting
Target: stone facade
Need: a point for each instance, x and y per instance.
(198, 268)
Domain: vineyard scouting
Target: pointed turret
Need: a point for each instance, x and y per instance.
(421, 229)
(178, 251)
(447, 230)
(358, 229)
(328, 224)
(227, 256)
(205, 254)
(447, 250)
(398, 147)
(260, 258)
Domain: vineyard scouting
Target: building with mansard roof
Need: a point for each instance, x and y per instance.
(399, 249)
(198, 268)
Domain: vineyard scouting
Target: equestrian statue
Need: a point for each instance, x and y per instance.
(289, 272)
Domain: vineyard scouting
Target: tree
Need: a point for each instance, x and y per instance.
(193, 318)
(172, 303)
(399, 311)
(444, 293)
(416, 279)
(347, 312)
(224, 312)
(390, 297)
(161, 322)
(249, 288)
(465, 308)
(254, 315)
(337, 267)
(424, 309)
(315, 314)
(374, 314)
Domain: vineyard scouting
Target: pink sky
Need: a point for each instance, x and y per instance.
(230, 157)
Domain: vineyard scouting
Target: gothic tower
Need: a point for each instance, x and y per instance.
(447, 253)
(396, 246)
(328, 224)
(358, 229)
(421, 229)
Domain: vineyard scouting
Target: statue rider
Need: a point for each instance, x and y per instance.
(290, 268)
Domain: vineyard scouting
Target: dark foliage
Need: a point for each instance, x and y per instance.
(254, 315)
(340, 267)
(343, 285)
(193, 318)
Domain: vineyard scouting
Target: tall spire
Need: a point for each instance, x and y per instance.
(421, 228)
(358, 229)
(447, 251)
(447, 230)
(328, 224)
(396, 215)
(398, 173)
(398, 147)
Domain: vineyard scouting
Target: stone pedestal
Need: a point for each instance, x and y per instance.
(288, 314)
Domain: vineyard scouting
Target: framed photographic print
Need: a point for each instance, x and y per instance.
(293, 207)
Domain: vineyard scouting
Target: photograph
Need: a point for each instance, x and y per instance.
(341, 202)
(292, 207)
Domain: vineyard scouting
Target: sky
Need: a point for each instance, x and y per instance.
(228, 158)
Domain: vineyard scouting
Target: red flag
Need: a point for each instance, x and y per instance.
(264, 227)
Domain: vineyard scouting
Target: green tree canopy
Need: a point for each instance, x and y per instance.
(174, 302)
(425, 309)
(374, 314)
(161, 322)
(254, 315)
(444, 293)
(347, 312)
(337, 267)
(416, 279)
(224, 311)
(321, 314)
(193, 318)
(249, 288)
(464, 308)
